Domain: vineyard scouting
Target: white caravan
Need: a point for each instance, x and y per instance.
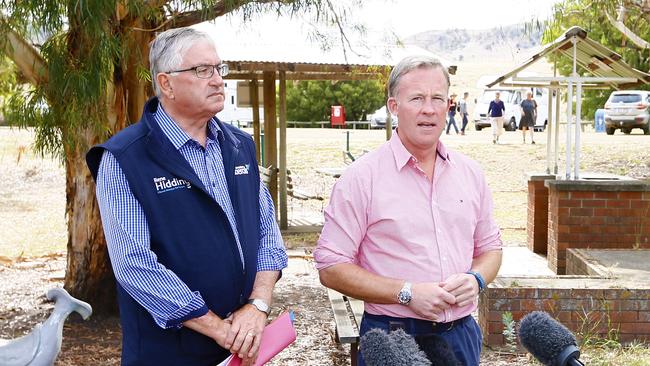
(238, 108)
(511, 98)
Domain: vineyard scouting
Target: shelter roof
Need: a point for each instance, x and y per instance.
(303, 62)
(592, 56)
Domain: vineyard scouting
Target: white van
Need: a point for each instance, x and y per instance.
(511, 98)
(237, 109)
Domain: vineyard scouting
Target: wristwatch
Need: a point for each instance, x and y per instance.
(404, 295)
(260, 304)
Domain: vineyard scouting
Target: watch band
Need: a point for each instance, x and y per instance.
(260, 305)
(479, 279)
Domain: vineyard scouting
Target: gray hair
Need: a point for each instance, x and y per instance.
(410, 63)
(166, 51)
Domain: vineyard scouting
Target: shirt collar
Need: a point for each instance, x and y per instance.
(176, 135)
(403, 156)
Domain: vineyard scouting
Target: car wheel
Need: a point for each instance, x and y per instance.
(478, 128)
(646, 129)
(610, 130)
(512, 126)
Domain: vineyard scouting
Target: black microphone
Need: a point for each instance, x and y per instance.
(438, 351)
(394, 349)
(550, 342)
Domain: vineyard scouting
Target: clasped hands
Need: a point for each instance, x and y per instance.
(241, 333)
(431, 299)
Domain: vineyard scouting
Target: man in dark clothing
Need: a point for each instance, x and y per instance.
(495, 112)
(191, 232)
(528, 116)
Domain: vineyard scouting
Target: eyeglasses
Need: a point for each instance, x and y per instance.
(206, 71)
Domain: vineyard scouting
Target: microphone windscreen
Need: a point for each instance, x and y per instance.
(544, 337)
(375, 348)
(406, 349)
(394, 349)
(438, 351)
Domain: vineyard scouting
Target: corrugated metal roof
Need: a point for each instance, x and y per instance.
(592, 56)
(315, 60)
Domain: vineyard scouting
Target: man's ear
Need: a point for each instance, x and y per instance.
(391, 103)
(164, 83)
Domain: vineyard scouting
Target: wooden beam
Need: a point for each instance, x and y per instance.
(270, 140)
(284, 221)
(246, 75)
(255, 104)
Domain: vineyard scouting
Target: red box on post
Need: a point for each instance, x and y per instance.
(337, 118)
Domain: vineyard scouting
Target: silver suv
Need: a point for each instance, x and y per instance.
(628, 109)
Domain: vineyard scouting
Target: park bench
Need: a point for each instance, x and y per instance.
(347, 315)
(265, 175)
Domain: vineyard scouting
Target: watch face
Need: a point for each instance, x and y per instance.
(404, 297)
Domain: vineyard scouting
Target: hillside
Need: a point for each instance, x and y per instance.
(503, 43)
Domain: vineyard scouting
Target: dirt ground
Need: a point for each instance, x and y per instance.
(33, 233)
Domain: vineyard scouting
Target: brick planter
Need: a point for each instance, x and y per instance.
(537, 220)
(585, 305)
(596, 214)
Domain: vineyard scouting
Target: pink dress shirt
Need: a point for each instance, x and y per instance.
(387, 217)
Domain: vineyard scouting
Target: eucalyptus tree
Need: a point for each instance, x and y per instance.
(86, 62)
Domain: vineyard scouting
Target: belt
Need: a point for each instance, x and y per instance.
(416, 326)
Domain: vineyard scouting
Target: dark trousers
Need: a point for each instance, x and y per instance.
(464, 335)
(464, 122)
(452, 121)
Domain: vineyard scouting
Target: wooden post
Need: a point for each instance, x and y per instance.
(255, 103)
(270, 140)
(284, 221)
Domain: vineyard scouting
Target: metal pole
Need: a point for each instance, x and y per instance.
(262, 149)
(347, 141)
(549, 129)
(556, 169)
(576, 162)
(569, 118)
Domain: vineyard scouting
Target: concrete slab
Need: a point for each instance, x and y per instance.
(628, 264)
(520, 261)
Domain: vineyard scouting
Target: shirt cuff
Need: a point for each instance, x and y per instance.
(194, 309)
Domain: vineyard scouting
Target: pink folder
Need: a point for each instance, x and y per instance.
(277, 335)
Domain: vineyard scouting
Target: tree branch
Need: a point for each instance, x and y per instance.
(621, 27)
(26, 57)
(193, 17)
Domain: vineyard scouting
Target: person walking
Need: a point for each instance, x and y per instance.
(191, 232)
(528, 116)
(462, 108)
(452, 114)
(495, 111)
(409, 228)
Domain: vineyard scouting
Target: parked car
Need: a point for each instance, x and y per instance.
(627, 109)
(378, 119)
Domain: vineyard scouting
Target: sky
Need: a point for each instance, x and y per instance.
(385, 19)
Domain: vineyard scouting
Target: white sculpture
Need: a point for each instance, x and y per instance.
(42, 345)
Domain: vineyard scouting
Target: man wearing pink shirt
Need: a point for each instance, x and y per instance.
(409, 227)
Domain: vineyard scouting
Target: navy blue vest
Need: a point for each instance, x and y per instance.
(190, 235)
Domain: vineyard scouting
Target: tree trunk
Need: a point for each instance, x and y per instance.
(89, 275)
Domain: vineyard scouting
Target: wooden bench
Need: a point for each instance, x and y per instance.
(347, 315)
(265, 174)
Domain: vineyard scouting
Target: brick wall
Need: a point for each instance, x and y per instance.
(537, 220)
(596, 214)
(585, 305)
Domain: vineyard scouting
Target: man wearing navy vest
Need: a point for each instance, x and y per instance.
(191, 232)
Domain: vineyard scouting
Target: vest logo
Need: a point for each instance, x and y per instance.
(164, 184)
(242, 169)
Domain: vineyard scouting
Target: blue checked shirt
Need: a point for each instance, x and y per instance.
(152, 285)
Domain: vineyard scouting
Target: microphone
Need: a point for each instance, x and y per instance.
(550, 342)
(394, 349)
(437, 350)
